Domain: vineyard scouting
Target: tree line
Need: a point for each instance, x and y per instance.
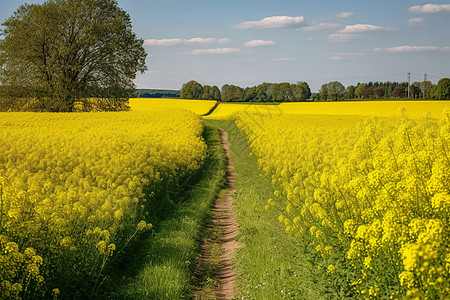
(264, 92)
(335, 91)
(331, 91)
(154, 93)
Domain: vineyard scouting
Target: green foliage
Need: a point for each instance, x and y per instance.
(360, 89)
(210, 93)
(191, 90)
(350, 92)
(231, 93)
(332, 91)
(441, 91)
(153, 93)
(60, 54)
(267, 92)
(264, 92)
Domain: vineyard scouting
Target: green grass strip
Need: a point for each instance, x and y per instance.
(269, 265)
(168, 258)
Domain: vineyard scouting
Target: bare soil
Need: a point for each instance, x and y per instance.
(216, 276)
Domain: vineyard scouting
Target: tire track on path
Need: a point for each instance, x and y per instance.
(216, 254)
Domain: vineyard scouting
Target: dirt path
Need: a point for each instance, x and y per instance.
(215, 274)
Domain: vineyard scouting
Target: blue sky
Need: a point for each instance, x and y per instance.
(247, 42)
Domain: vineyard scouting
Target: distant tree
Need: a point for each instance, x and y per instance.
(360, 89)
(336, 90)
(280, 92)
(207, 93)
(315, 97)
(378, 92)
(62, 53)
(250, 94)
(350, 92)
(274, 92)
(441, 91)
(368, 93)
(300, 91)
(262, 92)
(215, 93)
(210, 93)
(415, 91)
(398, 91)
(191, 90)
(232, 93)
(323, 92)
(285, 92)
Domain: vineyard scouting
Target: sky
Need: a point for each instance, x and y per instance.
(248, 42)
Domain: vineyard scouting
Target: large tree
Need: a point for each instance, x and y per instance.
(191, 90)
(232, 93)
(210, 93)
(336, 90)
(300, 91)
(350, 92)
(67, 54)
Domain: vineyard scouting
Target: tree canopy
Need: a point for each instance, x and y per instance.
(441, 91)
(64, 55)
(332, 91)
(264, 92)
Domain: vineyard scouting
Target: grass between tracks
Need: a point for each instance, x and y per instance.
(170, 255)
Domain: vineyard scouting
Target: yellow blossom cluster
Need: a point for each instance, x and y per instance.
(372, 192)
(74, 187)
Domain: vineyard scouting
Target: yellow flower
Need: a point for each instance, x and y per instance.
(331, 268)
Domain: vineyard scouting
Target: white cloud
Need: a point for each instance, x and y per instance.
(401, 49)
(272, 22)
(173, 42)
(430, 8)
(206, 41)
(321, 26)
(345, 14)
(361, 28)
(259, 43)
(342, 37)
(416, 21)
(213, 51)
(162, 42)
(337, 57)
(344, 56)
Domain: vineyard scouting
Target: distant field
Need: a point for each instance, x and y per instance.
(225, 110)
(415, 109)
(199, 107)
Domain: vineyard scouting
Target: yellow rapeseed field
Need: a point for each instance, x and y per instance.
(369, 197)
(199, 107)
(415, 109)
(227, 110)
(74, 189)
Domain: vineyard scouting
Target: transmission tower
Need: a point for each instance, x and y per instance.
(424, 84)
(409, 82)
